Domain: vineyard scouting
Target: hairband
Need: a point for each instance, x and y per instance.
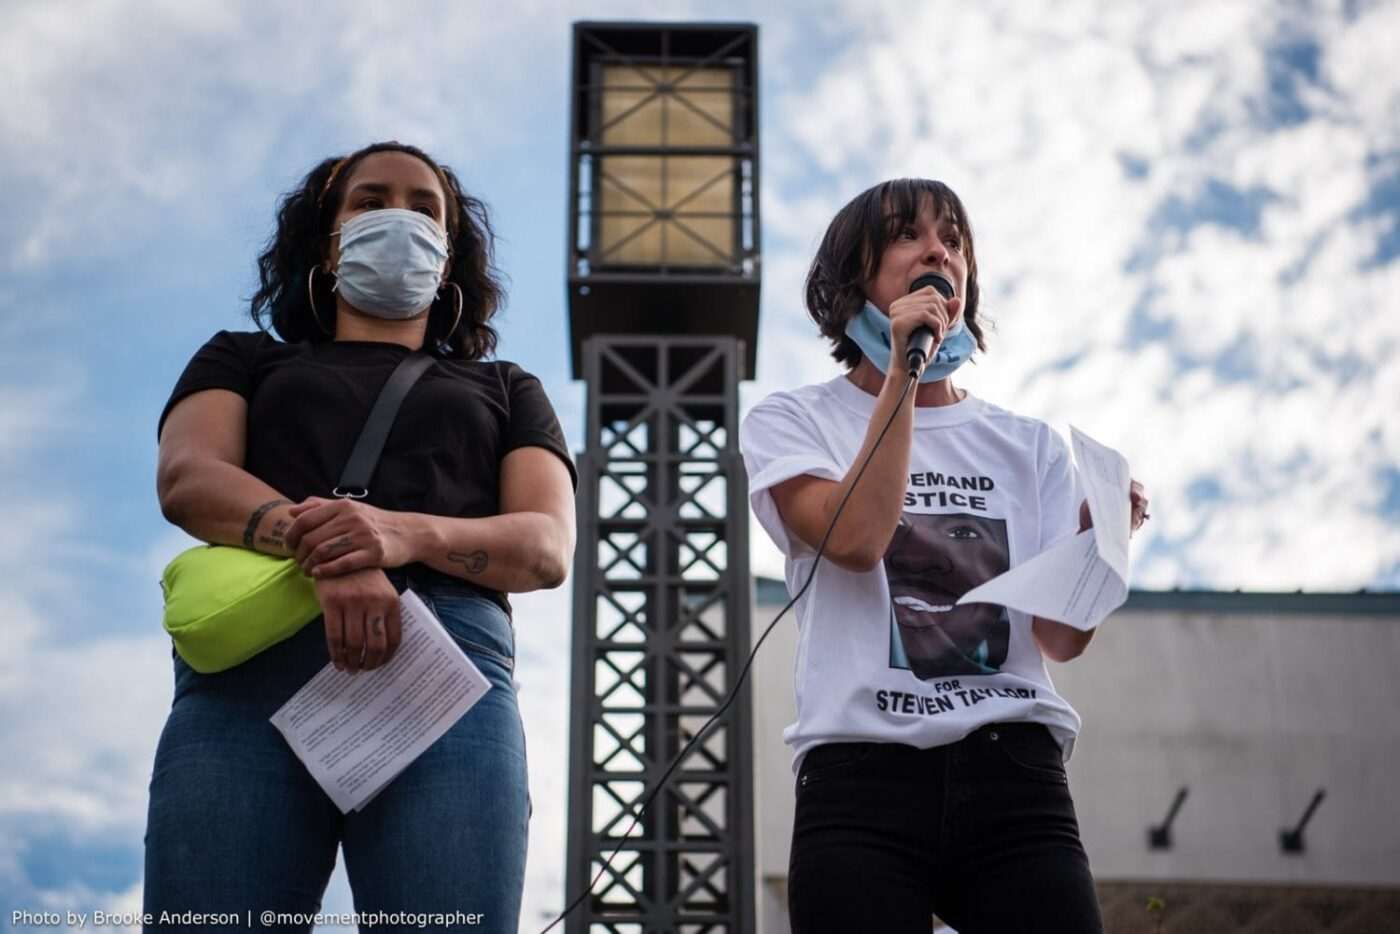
(335, 170)
(330, 179)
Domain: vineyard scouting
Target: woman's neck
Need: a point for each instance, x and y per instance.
(352, 325)
(942, 392)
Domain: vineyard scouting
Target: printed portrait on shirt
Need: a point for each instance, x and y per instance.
(931, 562)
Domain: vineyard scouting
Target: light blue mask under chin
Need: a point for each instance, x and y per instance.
(870, 329)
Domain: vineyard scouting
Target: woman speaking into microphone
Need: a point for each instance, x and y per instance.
(377, 256)
(930, 742)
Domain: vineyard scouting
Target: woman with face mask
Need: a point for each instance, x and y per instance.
(376, 255)
(929, 742)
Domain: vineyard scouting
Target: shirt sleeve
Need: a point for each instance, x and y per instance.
(1059, 491)
(533, 422)
(224, 362)
(779, 440)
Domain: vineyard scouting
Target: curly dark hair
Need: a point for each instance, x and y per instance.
(301, 240)
(850, 252)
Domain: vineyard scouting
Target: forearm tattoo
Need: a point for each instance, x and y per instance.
(275, 538)
(473, 563)
(256, 517)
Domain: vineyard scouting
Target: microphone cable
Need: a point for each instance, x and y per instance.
(739, 682)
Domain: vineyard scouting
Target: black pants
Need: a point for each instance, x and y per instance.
(981, 832)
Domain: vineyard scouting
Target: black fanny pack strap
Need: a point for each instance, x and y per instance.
(354, 481)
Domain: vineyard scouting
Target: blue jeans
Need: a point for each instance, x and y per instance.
(981, 832)
(237, 825)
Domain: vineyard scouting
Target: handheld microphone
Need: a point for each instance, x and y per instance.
(921, 341)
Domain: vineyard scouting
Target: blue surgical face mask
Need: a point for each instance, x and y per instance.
(391, 262)
(870, 329)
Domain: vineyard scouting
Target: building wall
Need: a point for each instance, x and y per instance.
(1251, 702)
(774, 707)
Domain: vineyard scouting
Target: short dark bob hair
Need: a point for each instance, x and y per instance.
(849, 256)
(302, 242)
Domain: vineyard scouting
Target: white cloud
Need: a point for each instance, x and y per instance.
(108, 700)
(1027, 113)
(127, 124)
(33, 415)
(117, 907)
(543, 635)
(81, 726)
(105, 698)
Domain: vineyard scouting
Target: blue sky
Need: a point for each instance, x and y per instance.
(1188, 223)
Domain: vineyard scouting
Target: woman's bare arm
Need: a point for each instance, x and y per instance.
(858, 542)
(529, 546)
(200, 479)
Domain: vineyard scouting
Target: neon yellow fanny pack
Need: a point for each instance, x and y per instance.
(223, 605)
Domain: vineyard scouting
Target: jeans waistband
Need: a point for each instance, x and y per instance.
(987, 732)
(422, 579)
(1015, 728)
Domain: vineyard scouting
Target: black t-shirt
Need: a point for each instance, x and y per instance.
(307, 404)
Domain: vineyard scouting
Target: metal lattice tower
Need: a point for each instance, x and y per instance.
(662, 598)
(663, 278)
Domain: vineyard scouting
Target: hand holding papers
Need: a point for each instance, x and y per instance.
(1084, 578)
(356, 732)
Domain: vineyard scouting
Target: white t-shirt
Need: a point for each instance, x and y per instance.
(884, 656)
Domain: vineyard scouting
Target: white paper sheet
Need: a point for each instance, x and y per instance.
(356, 732)
(1083, 579)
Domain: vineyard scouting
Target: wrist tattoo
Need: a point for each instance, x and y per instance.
(256, 517)
(275, 538)
(473, 563)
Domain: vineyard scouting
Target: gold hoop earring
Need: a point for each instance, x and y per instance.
(311, 297)
(455, 321)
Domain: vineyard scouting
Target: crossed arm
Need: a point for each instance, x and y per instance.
(344, 545)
